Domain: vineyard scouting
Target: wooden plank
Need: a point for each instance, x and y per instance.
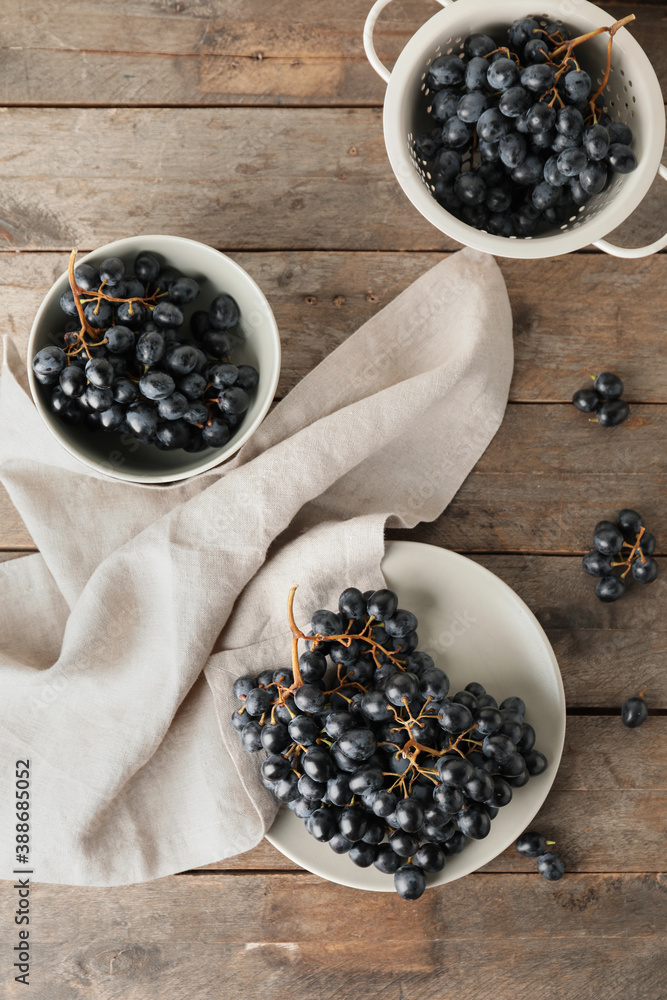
(532, 493)
(274, 936)
(606, 811)
(297, 179)
(220, 53)
(569, 311)
(594, 831)
(606, 652)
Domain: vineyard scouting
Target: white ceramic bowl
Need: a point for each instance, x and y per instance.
(121, 456)
(476, 629)
(633, 95)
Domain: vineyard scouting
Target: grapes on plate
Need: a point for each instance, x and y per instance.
(367, 746)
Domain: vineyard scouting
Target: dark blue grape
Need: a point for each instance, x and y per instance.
(455, 133)
(216, 433)
(613, 412)
(470, 189)
(646, 571)
(150, 348)
(98, 314)
(570, 122)
(476, 70)
(621, 158)
(471, 106)
(87, 277)
(192, 386)
(146, 267)
(131, 314)
(521, 31)
(478, 45)
(531, 844)
(247, 377)
(577, 85)
(550, 866)
(537, 78)
(322, 824)
(223, 312)
(445, 71)
(540, 118)
(493, 125)
(571, 161)
(500, 224)
(183, 290)
(596, 142)
(217, 343)
(514, 102)
(536, 51)
(634, 712)
(513, 150)
(577, 193)
(156, 385)
(444, 105)
(502, 74)
(426, 146)
(610, 588)
(167, 314)
(112, 270)
(72, 381)
(529, 172)
(97, 398)
(99, 372)
(67, 303)
(119, 339)
(474, 822)
(544, 195)
(174, 407)
(619, 133)
(142, 419)
(552, 174)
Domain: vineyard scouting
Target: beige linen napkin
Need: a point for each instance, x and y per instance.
(120, 641)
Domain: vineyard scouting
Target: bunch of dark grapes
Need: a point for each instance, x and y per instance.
(610, 538)
(125, 363)
(549, 864)
(604, 400)
(365, 744)
(521, 139)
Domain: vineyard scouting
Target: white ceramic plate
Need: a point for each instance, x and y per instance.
(476, 629)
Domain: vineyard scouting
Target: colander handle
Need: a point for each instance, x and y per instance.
(635, 251)
(371, 54)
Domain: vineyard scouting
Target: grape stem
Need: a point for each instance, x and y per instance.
(296, 635)
(96, 335)
(633, 552)
(567, 47)
(412, 748)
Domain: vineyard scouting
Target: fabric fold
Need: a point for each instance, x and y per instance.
(146, 602)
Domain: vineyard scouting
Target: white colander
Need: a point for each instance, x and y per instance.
(632, 95)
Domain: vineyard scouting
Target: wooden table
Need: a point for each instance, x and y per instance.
(256, 127)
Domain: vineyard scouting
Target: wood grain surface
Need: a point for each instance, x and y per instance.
(300, 178)
(257, 128)
(287, 53)
(291, 935)
(566, 316)
(532, 492)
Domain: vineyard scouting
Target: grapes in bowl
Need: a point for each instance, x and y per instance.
(474, 633)
(153, 358)
(520, 136)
